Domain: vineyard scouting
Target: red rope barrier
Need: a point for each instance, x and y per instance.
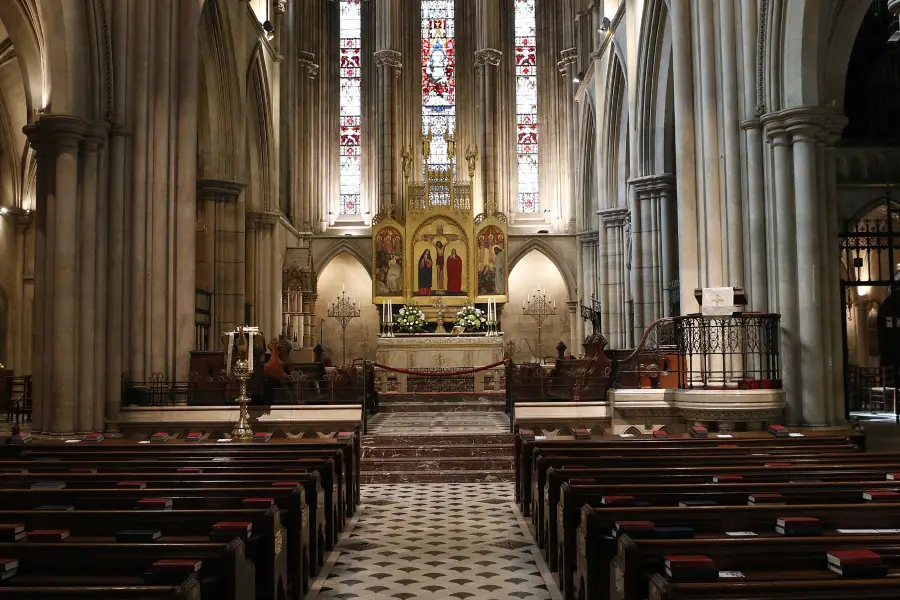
(441, 373)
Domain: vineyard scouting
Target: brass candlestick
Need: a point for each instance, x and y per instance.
(242, 430)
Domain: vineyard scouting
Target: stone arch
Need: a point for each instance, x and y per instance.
(261, 179)
(586, 144)
(220, 106)
(539, 245)
(343, 246)
(345, 272)
(654, 119)
(23, 24)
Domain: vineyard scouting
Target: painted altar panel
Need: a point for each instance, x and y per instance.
(440, 259)
(388, 257)
(491, 260)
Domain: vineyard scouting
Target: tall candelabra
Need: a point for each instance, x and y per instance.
(241, 369)
(344, 310)
(539, 306)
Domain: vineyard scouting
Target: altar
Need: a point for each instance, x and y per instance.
(444, 353)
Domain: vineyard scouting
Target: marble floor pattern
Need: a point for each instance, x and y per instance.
(430, 423)
(438, 542)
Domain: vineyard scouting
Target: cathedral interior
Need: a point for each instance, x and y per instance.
(444, 226)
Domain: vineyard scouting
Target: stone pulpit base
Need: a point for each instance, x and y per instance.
(440, 352)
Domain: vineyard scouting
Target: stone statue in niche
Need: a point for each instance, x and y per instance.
(627, 234)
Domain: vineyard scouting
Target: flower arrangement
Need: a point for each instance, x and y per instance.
(410, 319)
(471, 318)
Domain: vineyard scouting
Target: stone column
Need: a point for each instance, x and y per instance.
(19, 363)
(389, 176)
(786, 257)
(307, 205)
(66, 273)
(487, 62)
(834, 309)
(685, 166)
(260, 282)
(568, 67)
(224, 196)
(614, 291)
(653, 233)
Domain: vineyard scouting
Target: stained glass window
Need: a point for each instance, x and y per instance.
(526, 108)
(351, 107)
(438, 76)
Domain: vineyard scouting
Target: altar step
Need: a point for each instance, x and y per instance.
(422, 457)
(441, 402)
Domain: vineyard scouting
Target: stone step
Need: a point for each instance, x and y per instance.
(441, 397)
(433, 476)
(462, 439)
(431, 451)
(437, 463)
(440, 406)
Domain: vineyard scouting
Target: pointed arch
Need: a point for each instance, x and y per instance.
(562, 265)
(613, 149)
(654, 124)
(340, 247)
(586, 145)
(260, 135)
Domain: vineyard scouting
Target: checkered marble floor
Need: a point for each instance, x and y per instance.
(436, 541)
(438, 423)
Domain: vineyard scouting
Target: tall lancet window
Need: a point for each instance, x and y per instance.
(351, 107)
(438, 76)
(526, 108)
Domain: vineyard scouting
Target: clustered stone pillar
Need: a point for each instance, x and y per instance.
(807, 276)
(226, 221)
(615, 245)
(263, 274)
(68, 395)
(487, 63)
(568, 68)
(654, 243)
(306, 173)
(389, 176)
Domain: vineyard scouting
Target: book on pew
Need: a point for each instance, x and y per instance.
(64, 507)
(686, 503)
(699, 431)
(83, 470)
(881, 496)
(131, 485)
(194, 436)
(159, 437)
(622, 501)
(726, 478)
(93, 437)
(257, 502)
(48, 535)
(857, 563)
(635, 529)
(779, 430)
(225, 531)
(893, 477)
(582, 434)
(155, 504)
(9, 564)
(660, 433)
(48, 485)
(691, 567)
(12, 532)
(770, 499)
(4, 575)
(798, 526)
(673, 533)
(262, 437)
(21, 438)
(138, 536)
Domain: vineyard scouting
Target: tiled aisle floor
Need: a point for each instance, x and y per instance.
(436, 541)
(430, 423)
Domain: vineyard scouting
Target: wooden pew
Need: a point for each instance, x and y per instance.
(638, 560)
(595, 546)
(225, 572)
(188, 590)
(830, 589)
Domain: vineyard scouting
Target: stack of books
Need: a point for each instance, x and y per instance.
(225, 531)
(660, 433)
(617, 500)
(257, 502)
(154, 504)
(699, 431)
(131, 485)
(93, 437)
(12, 532)
(691, 567)
(48, 535)
(779, 430)
(582, 434)
(798, 526)
(8, 567)
(194, 436)
(159, 437)
(882, 496)
(770, 499)
(138, 536)
(261, 437)
(856, 563)
(726, 478)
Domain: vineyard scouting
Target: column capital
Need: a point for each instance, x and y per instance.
(799, 122)
(388, 58)
(751, 124)
(65, 131)
(488, 56)
(586, 238)
(280, 6)
(648, 184)
(219, 190)
(265, 219)
(614, 217)
(307, 60)
(566, 57)
(21, 217)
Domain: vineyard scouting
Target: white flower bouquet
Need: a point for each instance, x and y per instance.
(410, 319)
(471, 318)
